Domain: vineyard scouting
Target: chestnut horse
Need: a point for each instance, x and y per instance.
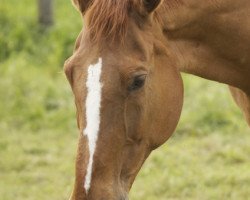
(125, 76)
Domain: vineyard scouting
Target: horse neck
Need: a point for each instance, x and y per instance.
(204, 44)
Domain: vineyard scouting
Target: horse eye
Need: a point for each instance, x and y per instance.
(137, 83)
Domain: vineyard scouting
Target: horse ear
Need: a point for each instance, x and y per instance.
(82, 5)
(151, 5)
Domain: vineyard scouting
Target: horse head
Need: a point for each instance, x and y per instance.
(128, 94)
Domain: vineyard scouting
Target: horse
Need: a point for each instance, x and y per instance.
(125, 74)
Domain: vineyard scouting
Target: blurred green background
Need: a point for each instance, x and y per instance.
(207, 158)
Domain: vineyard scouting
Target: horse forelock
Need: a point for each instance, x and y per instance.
(107, 19)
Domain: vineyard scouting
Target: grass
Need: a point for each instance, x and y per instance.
(207, 158)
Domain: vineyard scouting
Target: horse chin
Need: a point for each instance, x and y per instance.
(104, 197)
(101, 194)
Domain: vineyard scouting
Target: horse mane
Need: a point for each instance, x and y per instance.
(107, 19)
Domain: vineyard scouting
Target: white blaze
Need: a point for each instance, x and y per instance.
(93, 105)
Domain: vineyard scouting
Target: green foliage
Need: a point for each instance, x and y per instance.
(207, 158)
(20, 32)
